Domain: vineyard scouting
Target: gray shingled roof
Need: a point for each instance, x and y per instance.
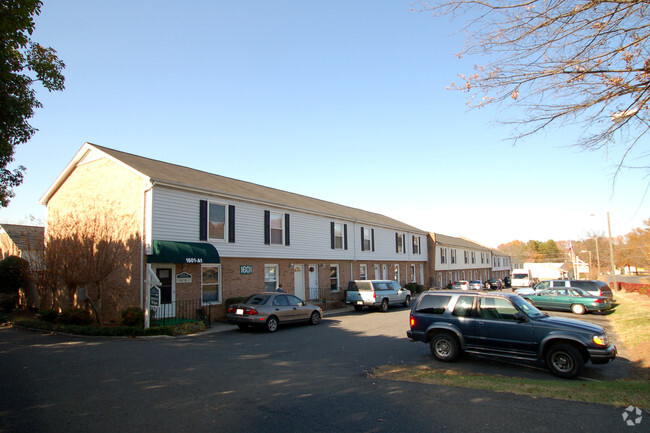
(458, 242)
(25, 237)
(165, 172)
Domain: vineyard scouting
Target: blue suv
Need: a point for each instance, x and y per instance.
(503, 325)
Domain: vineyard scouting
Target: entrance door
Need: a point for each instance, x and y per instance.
(166, 276)
(299, 281)
(313, 282)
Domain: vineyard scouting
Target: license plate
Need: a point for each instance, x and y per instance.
(239, 311)
(359, 302)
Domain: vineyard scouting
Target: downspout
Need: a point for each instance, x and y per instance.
(148, 188)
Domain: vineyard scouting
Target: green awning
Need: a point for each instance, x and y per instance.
(183, 252)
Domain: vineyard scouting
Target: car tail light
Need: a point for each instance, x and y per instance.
(599, 301)
(250, 311)
(374, 295)
(412, 321)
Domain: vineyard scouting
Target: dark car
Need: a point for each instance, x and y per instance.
(494, 284)
(270, 309)
(504, 325)
(507, 282)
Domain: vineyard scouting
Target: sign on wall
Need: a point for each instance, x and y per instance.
(184, 277)
(154, 297)
(246, 269)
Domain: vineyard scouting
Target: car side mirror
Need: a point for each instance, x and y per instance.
(520, 317)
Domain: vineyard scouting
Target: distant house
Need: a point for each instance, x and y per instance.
(20, 240)
(208, 238)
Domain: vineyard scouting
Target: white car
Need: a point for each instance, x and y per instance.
(476, 285)
(460, 285)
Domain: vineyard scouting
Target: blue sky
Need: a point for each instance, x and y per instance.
(342, 101)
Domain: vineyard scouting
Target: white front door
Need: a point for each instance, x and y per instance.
(299, 281)
(313, 282)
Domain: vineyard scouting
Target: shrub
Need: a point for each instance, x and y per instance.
(48, 315)
(414, 287)
(7, 302)
(133, 316)
(14, 272)
(75, 316)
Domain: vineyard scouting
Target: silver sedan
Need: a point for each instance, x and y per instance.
(269, 309)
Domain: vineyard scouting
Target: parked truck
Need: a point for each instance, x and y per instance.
(521, 278)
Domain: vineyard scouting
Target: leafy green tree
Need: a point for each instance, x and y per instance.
(22, 63)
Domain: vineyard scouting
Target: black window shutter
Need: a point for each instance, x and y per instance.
(203, 220)
(362, 239)
(419, 245)
(404, 243)
(372, 235)
(345, 236)
(332, 240)
(287, 236)
(267, 227)
(231, 224)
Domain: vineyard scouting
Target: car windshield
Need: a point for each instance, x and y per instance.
(527, 308)
(257, 300)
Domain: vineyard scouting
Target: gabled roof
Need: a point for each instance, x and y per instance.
(458, 242)
(24, 237)
(164, 173)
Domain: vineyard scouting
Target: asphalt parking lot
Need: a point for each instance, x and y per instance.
(301, 378)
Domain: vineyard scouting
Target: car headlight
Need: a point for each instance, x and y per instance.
(600, 340)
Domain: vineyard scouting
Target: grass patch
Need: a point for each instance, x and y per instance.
(620, 393)
(630, 322)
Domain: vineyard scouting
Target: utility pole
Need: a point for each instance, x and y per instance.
(611, 252)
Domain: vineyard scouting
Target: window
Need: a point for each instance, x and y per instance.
(396, 273)
(433, 304)
(210, 284)
(270, 278)
(416, 245)
(367, 239)
(473, 257)
(363, 272)
(466, 257)
(399, 243)
(216, 221)
(497, 309)
(276, 228)
(334, 277)
(453, 256)
(463, 306)
(413, 277)
(443, 258)
(338, 236)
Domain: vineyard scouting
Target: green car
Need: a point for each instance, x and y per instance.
(568, 299)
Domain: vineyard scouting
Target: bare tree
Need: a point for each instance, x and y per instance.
(562, 61)
(85, 249)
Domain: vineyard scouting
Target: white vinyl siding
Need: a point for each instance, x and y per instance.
(175, 215)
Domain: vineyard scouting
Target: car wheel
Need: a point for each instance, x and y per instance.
(315, 318)
(242, 326)
(578, 309)
(358, 307)
(272, 324)
(564, 361)
(384, 306)
(444, 347)
(407, 301)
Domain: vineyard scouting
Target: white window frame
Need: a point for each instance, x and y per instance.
(219, 300)
(337, 279)
(367, 239)
(414, 277)
(267, 273)
(225, 221)
(339, 227)
(271, 229)
(396, 273)
(443, 255)
(363, 272)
